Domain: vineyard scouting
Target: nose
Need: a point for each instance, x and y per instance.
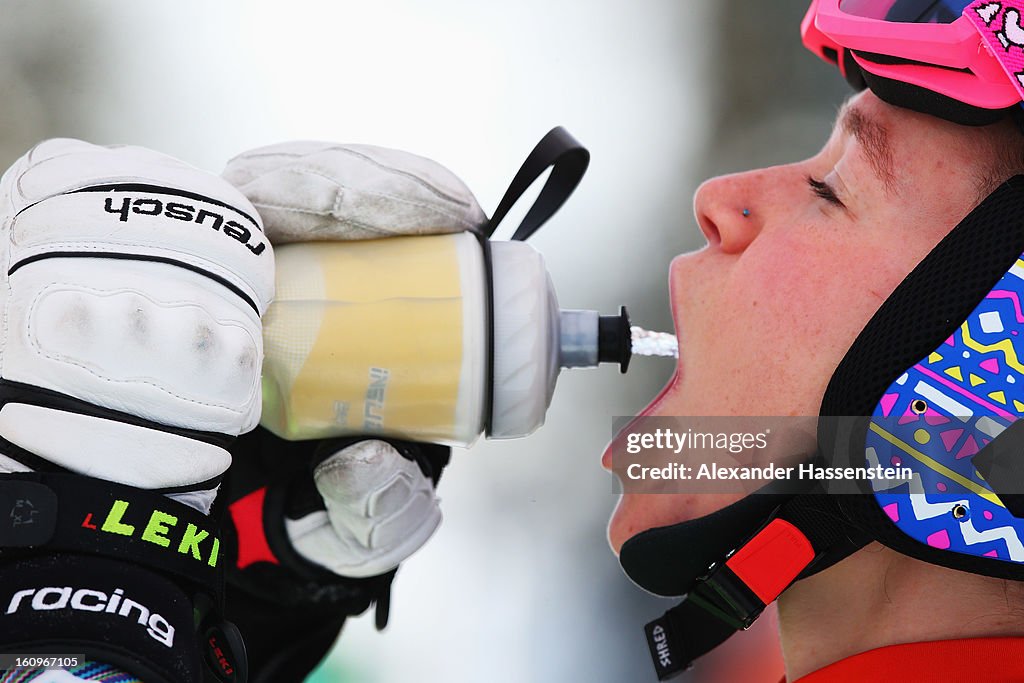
(730, 209)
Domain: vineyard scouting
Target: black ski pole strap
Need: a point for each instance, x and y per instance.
(61, 513)
(567, 159)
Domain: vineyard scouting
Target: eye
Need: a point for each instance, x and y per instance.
(824, 191)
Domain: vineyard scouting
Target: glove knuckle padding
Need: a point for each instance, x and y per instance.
(132, 282)
(153, 342)
(318, 190)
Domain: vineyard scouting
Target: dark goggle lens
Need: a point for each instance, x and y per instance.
(906, 11)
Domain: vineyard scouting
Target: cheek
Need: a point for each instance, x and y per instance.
(762, 333)
(813, 298)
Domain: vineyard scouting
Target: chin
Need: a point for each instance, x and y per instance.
(634, 512)
(621, 527)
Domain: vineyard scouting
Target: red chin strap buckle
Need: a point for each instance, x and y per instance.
(754, 575)
(729, 597)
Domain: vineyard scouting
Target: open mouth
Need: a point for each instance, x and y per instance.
(680, 270)
(655, 403)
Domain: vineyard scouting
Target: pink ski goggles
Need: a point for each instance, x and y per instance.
(951, 58)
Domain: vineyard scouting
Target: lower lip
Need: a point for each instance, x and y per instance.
(606, 457)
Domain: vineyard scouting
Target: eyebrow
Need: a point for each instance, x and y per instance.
(874, 139)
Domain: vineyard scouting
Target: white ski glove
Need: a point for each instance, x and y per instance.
(132, 289)
(380, 506)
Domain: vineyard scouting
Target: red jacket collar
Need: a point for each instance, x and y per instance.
(993, 660)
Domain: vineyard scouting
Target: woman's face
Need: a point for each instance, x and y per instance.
(765, 312)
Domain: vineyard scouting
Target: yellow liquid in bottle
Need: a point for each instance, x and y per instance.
(379, 337)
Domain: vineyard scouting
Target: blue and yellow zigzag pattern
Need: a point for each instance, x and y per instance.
(970, 388)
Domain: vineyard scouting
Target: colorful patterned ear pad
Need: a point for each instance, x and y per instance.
(940, 368)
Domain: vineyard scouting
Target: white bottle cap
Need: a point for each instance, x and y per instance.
(526, 340)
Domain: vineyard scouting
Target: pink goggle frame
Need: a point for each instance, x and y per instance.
(951, 59)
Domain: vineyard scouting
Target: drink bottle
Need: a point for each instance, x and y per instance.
(436, 338)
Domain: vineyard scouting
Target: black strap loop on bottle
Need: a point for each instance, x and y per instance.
(568, 161)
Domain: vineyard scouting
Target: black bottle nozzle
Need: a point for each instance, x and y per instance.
(614, 339)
